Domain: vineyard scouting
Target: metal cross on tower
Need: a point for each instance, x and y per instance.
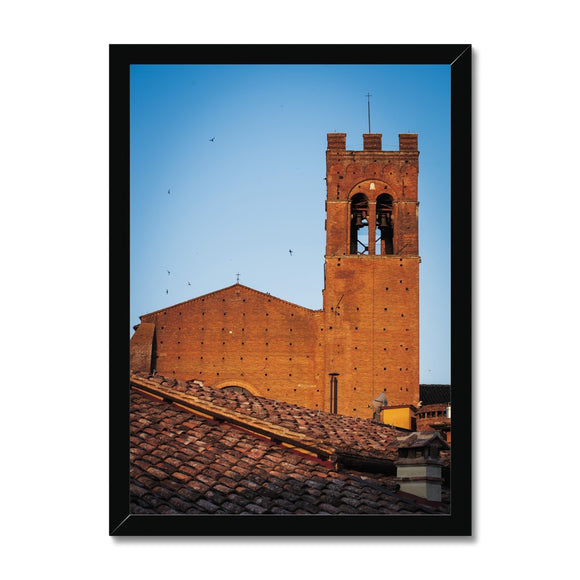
(368, 96)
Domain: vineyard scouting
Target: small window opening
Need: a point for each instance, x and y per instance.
(359, 225)
(385, 226)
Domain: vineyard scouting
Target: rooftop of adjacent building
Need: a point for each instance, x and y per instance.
(435, 394)
(199, 450)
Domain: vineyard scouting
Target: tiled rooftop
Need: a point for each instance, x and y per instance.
(231, 453)
(435, 394)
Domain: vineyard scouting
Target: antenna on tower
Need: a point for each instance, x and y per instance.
(368, 96)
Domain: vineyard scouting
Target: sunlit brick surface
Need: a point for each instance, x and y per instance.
(367, 331)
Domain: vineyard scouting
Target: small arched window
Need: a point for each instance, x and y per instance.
(359, 226)
(236, 389)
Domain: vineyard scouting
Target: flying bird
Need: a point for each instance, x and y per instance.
(290, 252)
(166, 291)
(168, 191)
(212, 139)
(189, 283)
(168, 272)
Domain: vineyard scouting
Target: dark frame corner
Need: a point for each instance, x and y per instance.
(459, 523)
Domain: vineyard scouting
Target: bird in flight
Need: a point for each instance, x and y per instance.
(290, 252)
(168, 272)
(212, 139)
(166, 291)
(189, 283)
(168, 191)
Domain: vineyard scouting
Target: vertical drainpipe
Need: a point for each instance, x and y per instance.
(333, 392)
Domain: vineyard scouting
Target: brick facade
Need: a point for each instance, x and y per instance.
(371, 296)
(368, 329)
(434, 418)
(242, 337)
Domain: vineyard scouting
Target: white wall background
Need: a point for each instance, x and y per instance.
(54, 117)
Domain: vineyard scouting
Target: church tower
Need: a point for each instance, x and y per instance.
(371, 278)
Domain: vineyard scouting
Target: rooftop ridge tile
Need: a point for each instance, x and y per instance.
(347, 435)
(260, 426)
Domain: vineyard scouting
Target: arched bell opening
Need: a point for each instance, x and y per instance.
(385, 225)
(359, 226)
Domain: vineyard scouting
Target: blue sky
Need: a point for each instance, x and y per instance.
(237, 204)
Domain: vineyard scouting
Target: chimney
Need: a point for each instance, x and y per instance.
(419, 466)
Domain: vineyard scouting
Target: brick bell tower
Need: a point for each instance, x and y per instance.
(371, 277)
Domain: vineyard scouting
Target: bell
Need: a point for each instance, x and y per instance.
(384, 221)
(358, 220)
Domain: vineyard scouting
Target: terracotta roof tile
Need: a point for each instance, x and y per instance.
(188, 464)
(207, 506)
(434, 394)
(346, 433)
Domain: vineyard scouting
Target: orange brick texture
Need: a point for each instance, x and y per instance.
(142, 344)
(371, 301)
(367, 331)
(429, 415)
(241, 337)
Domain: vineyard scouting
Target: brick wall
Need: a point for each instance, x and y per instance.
(371, 302)
(429, 415)
(368, 330)
(142, 344)
(242, 337)
(372, 336)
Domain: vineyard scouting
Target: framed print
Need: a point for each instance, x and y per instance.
(290, 340)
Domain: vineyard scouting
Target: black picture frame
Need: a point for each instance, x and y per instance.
(459, 521)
